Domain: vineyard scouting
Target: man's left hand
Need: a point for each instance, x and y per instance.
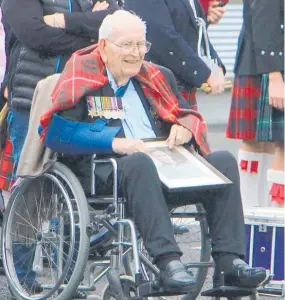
(179, 135)
(215, 12)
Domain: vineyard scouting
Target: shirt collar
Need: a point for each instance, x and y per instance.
(112, 80)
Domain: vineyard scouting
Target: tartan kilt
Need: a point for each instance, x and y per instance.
(6, 166)
(270, 121)
(189, 96)
(244, 108)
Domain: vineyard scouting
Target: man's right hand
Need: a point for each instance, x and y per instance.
(128, 146)
(100, 6)
(216, 82)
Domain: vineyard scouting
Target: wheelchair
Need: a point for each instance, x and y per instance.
(67, 241)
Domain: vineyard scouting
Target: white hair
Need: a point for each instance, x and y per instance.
(119, 19)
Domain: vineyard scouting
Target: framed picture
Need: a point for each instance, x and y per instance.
(183, 169)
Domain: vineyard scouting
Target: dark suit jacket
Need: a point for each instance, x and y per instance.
(79, 112)
(261, 41)
(172, 30)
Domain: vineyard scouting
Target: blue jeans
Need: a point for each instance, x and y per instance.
(18, 123)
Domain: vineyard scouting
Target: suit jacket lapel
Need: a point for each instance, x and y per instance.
(190, 11)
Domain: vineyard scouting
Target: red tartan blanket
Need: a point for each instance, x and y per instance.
(85, 72)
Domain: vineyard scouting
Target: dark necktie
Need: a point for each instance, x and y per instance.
(120, 92)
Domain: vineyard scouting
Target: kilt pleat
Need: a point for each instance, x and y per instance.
(244, 106)
(270, 121)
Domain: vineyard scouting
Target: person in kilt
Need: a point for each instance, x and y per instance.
(257, 110)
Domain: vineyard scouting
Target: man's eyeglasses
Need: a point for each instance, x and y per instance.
(128, 47)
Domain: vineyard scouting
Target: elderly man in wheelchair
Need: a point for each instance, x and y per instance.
(106, 101)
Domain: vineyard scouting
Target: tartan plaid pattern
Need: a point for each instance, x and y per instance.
(6, 166)
(85, 71)
(270, 121)
(244, 107)
(189, 96)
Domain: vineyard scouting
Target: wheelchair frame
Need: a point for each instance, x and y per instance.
(119, 256)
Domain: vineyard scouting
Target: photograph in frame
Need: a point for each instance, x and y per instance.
(182, 168)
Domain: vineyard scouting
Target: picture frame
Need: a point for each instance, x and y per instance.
(182, 168)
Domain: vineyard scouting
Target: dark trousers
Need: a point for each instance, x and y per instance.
(149, 207)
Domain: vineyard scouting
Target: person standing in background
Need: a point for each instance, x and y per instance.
(52, 32)
(174, 33)
(260, 51)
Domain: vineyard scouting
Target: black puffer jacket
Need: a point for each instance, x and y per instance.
(35, 50)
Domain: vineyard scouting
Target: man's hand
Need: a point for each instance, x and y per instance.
(216, 82)
(179, 135)
(55, 20)
(128, 146)
(100, 6)
(215, 12)
(6, 92)
(276, 90)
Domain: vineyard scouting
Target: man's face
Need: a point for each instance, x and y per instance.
(123, 52)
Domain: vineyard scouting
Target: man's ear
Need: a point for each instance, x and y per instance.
(102, 46)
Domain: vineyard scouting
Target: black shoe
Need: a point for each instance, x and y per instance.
(174, 276)
(241, 275)
(180, 229)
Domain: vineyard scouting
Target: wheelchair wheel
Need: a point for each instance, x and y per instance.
(44, 239)
(194, 243)
(128, 286)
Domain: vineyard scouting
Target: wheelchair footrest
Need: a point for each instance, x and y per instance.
(229, 292)
(152, 289)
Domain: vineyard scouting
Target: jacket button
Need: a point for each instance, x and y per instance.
(171, 53)
(280, 53)
(272, 53)
(183, 63)
(195, 72)
(262, 52)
